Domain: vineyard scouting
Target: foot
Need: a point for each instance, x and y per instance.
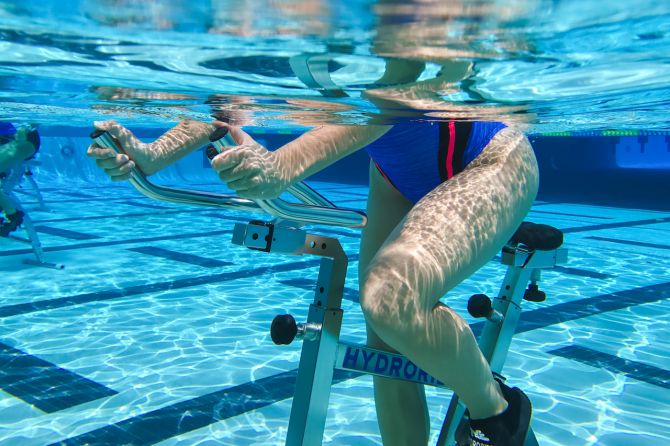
(13, 222)
(508, 428)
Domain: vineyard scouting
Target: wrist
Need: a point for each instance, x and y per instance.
(147, 159)
(290, 172)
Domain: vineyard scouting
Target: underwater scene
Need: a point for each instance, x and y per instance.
(273, 222)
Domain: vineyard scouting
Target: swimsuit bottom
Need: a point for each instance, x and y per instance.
(417, 157)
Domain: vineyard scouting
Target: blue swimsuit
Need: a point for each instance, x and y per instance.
(417, 157)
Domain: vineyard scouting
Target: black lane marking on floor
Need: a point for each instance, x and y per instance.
(590, 306)
(144, 205)
(582, 272)
(186, 416)
(572, 271)
(630, 242)
(45, 385)
(14, 252)
(572, 215)
(623, 224)
(169, 211)
(183, 257)
(75, 194)
(633, 369)
(309, 285)
(65, 233)
(99, 296)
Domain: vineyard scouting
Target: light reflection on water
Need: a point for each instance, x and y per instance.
(557, 65)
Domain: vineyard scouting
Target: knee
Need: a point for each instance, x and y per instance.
(388, 301)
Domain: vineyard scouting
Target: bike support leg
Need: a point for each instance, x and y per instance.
(317, 361)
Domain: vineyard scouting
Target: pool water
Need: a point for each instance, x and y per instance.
(157, 329)
(156, 336)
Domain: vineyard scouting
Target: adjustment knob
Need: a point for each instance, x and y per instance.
(283, 329)
(479, 305)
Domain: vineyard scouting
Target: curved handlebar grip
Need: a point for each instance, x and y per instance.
(317, 209)
(174, 195)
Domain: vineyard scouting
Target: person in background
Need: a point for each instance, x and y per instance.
(16, 146)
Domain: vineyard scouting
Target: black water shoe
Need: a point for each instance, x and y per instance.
(13, 222)
(508, 428)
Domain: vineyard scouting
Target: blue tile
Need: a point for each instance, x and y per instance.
(44, 385)
(180, 257)
(630, 242)
(633, 369)
(167, 422)
(65, 233)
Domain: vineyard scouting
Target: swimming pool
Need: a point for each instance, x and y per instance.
(152, 335)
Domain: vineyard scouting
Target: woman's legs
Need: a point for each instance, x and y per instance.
(446, 237)
(401, 406)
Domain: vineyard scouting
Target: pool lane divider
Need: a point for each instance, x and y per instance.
(44, 385)
(65, 233)
(182, 257)
(183, 417)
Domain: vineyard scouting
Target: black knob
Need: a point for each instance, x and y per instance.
(533, 294)
(479, 305)
(283, 329)
(97, 132)
(218, 134)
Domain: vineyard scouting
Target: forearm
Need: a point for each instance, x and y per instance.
(178, 142)
(322, 146)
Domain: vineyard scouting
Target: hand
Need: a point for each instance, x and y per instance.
(118, 166)
(250, 169)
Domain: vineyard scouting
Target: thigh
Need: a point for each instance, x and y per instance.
(461, 224)
(385, 209)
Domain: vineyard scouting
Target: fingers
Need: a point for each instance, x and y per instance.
(109, 126)
(118, 167)
(122, 172)
(96, 152)
(112, 163)
(229, 158)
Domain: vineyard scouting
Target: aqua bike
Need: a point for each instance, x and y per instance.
(532, 248)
